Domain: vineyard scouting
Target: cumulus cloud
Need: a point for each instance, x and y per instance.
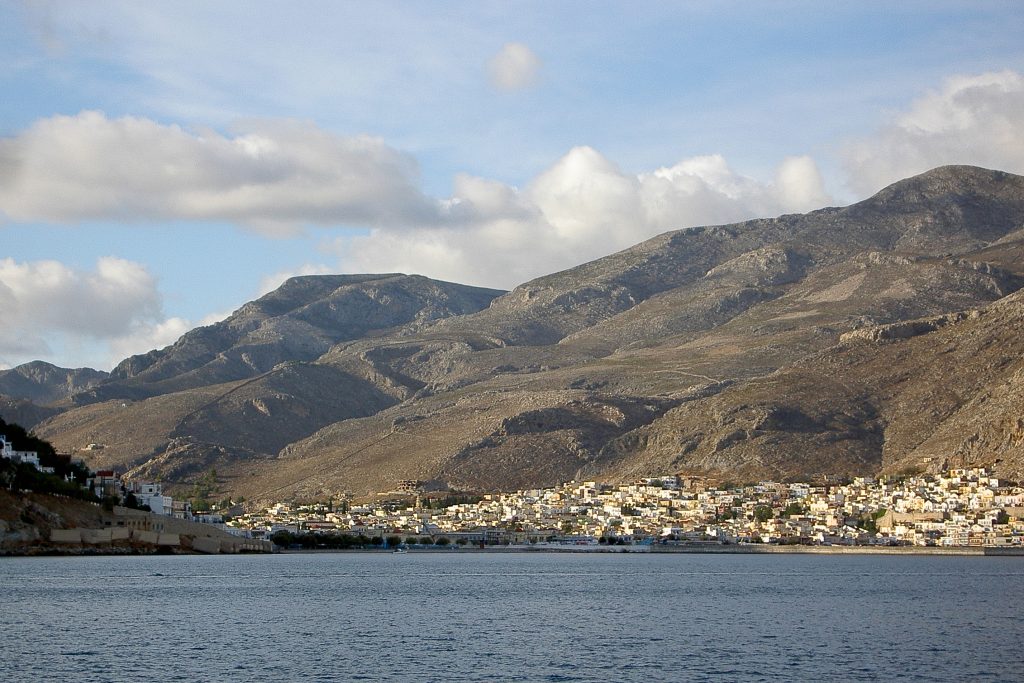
(515, 67)
(271, 175)
(975, 120)
(43, 303)
(580, 208)
(48, 295)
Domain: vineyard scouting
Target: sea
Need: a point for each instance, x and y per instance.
(477, 616)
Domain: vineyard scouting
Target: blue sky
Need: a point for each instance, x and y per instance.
(163, 163)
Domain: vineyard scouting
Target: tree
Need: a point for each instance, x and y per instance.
(411, 540)
(131, 501)
(443, 541)
(202, 489)
(394, 541)
(763, 513)
(426, 541)
(1002, 517)
(283, 538)
(794, 509)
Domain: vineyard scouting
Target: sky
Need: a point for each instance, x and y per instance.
(162, 163)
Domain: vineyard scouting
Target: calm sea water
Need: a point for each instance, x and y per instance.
(515, 617)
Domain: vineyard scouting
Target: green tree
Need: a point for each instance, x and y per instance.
(203, 489)
(763, 513)
(283, 538)
(794, 509)
(443, 541)
(394, 541)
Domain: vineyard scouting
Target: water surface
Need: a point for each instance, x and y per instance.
(511, 617)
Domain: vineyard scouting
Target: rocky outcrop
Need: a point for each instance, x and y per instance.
(906, 329)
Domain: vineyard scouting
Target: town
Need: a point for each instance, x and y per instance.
(965, 507)
(960, 508)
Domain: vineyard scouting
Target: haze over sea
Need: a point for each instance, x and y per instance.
(464, 616)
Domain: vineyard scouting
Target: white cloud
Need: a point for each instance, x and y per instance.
(799, 186)
(41, 296)
(975, 120)
(515, 67)
(580, 208)
(271, 175)
(46, 306)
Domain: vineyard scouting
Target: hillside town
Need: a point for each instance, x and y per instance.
(964, 507)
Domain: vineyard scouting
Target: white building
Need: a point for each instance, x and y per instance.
(7, 451)
(151, 494)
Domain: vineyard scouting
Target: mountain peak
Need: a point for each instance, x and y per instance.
(953, 181)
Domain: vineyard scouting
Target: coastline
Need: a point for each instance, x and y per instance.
(752, 549)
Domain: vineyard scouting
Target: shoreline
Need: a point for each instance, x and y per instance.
(960, 551)
(752, 549)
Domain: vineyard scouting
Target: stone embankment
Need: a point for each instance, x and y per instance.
(112, 537)
(32, 524)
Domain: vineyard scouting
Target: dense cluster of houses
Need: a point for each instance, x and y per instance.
(959, 508)
(965, 507)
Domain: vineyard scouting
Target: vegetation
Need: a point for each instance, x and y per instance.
(869, 523)
(309, 541)
(25, 477)
(443, 502)
(63, 467)
(794, 509)
(130, 501)
(203, 489)
(68, 478)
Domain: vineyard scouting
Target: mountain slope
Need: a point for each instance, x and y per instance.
(299, 321)
(929, 394)
(694, 350)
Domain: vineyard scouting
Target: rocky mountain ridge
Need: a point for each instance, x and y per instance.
(769, 348)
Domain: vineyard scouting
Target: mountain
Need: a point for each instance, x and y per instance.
(43, 383)
(827, 343)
